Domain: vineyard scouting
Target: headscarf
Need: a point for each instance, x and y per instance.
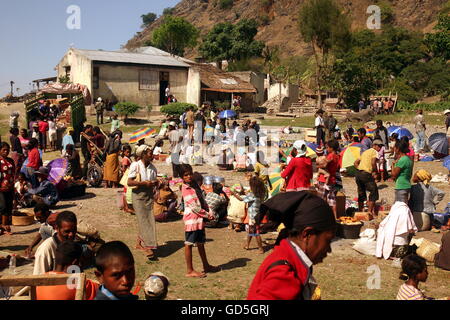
(300, 146)
(297, 210)
(424, 176)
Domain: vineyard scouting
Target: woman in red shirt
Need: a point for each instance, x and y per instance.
(298, 173)
(7, 172)
(310, 226)
(34, 161)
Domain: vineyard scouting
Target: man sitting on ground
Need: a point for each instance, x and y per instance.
(46, 191)
(68, 254)
(66, 229)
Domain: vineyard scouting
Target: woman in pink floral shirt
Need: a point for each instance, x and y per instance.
(7, 170)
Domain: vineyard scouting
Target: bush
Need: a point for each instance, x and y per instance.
(126, 108)
(225, 4)
(177, 108)
(438, 106)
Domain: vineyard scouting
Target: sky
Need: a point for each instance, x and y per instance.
(34, 35)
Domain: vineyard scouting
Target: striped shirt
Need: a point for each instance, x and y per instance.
(407, 292)
(193, 211)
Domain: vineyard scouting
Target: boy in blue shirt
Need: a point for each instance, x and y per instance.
(115, 271)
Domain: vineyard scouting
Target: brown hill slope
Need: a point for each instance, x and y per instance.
(281, 17)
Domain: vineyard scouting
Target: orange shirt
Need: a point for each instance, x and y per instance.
(62, 292)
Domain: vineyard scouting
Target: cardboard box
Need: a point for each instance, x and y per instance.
(362, 216)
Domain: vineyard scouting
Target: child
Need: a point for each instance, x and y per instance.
(125, 164)
(195, 209)
(414, 270)
(253, 199)
(236, 209)
(322, 164)
(157, 150)
(209, 132)
(115, 271)
(381, 164)
(217, 202)
(21, 187)
(262, 169)
(164, 207)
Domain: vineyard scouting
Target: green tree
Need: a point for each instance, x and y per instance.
(353, 79)
(232, 42)
(439, 41)
(429, 78)
(148, 19)
(325, 28)
(175, 35)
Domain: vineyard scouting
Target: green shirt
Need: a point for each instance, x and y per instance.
(404, 178)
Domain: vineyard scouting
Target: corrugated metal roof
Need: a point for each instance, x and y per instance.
(128, 57)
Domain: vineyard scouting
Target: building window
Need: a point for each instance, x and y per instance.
(96, 78)
(67, 70)
(148, 80)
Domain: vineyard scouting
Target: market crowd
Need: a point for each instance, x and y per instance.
(303, 207)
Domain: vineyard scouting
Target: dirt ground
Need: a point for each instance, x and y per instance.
(342, 276)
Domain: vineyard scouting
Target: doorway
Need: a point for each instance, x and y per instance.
(164, 80)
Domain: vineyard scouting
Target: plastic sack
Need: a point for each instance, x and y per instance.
(367, 243)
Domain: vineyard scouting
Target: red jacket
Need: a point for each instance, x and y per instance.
(298, 173)
(280, 282)
(34, 159)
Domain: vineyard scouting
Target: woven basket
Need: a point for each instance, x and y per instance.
(25, 218)
(428, 250)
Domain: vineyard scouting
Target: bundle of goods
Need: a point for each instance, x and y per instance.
(348, 228)
(72, 188)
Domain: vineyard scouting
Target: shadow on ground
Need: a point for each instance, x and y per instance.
(169, 248)
(14, 248)
(236, 263)
(88, 195)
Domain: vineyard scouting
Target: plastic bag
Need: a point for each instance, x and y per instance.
(367, 243)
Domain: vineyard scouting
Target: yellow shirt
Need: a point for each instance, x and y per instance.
(262, 171)
(366, 160)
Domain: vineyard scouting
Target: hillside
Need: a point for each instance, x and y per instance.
(281, 18)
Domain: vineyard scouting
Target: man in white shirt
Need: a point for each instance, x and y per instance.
(320, 128)
(143, 179)
(66, 229)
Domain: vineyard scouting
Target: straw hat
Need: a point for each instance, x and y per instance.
(446, 111)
